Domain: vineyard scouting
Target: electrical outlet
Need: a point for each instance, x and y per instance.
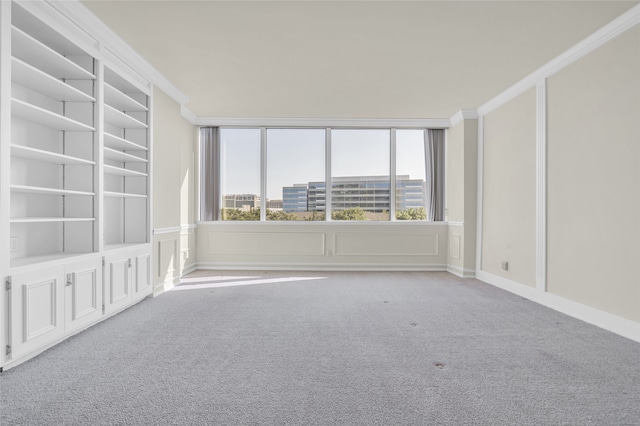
(505, 265)
(13, 241)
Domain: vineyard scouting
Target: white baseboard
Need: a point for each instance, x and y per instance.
(189, 269)
(613, 323)
(165, 286)
(461, 272)
(319, 266)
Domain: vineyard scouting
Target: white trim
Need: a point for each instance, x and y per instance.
(263, 174)
(613, 323)
(364, 267)
(328, 178)
(188, 115)
(165, 286)
(323, 122)
(392, 175)
(463, 114)
(541, 186)
(169, 230)
(480, 179)
(85, 19)
(321, 223)
(461, 272)
(595, 40)
(189, 269)
(186, 228)
(452, 223)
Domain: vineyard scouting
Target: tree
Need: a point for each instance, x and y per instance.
(419, 213)
(280, 215)
(237, 214)
(354, 213)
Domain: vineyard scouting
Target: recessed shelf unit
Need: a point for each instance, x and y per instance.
(126, 162)
(53, 144)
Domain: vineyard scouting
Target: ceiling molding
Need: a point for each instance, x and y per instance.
(323, 122)
(464, 114)
(188, 115)
(616, 27)
(85, 19)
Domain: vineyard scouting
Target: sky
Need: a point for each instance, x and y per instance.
(298, 156)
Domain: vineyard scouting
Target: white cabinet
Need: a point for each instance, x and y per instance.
(75, 182)
(36, 303)
(83, 293)
(127, 278)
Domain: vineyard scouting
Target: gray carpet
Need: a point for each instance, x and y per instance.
(344, 349)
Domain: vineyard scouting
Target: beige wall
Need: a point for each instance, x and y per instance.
(461, 171)
(174, 142)
(454, 170)
(594, 178)
(509, 189)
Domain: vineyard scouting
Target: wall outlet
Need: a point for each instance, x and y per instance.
(13, 244)
(505, 265)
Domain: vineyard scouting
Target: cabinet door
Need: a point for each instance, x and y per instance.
(117, 282)
(37, 309)
(83, 294)
(142, 282)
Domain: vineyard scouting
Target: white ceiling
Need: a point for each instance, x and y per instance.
(349, 59)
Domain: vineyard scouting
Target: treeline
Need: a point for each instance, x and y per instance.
(354, 213)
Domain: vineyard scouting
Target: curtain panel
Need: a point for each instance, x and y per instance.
(209, 173)
(435, 174)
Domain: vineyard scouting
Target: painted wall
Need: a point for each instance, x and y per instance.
(322, 246)
(594, 178)
(461, 194)
(173, 190)
(509, 191)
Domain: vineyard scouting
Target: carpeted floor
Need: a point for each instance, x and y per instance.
(338, 348)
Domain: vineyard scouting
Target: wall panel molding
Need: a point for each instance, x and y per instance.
(595, 40)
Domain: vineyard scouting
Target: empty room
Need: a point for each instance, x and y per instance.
(319, 212)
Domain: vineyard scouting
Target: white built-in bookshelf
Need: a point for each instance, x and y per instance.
(75, 180)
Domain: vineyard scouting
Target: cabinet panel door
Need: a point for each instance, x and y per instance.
(37, 309)
(142, 285)
(117, 282)
(83, 294)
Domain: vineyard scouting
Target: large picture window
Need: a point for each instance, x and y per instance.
(282, 174)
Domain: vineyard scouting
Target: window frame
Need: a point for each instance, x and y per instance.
(328, 174)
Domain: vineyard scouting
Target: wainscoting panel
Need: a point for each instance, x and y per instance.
(317, 246)
(454, 246)
(365, 244)
(167, 256)
(267, 243)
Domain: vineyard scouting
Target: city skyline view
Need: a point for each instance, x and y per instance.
(297, 156)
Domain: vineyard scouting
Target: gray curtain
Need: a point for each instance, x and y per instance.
(209, 173)
(434, 153)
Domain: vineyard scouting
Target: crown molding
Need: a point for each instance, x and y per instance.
(464, 114)
(595, 40)
(188, 115)
(88, 22)
(323, 122)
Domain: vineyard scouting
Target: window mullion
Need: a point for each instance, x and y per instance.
(327, 173)
(392, 176)
(263, 174)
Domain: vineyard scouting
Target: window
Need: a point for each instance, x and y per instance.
(411, 184)
(240, 174)
(281, 174)
(360, 174)
(295, 159)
